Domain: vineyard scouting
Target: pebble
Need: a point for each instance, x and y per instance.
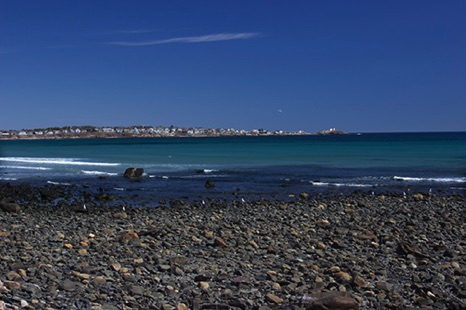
(356, 251)
(204, 285)
(274, 299)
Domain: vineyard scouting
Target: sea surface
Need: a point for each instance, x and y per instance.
(245, 167)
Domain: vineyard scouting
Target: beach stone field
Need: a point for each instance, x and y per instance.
(358, 251)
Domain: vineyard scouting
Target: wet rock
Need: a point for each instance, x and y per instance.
(133, 173)
(304, 195)
(209, 184)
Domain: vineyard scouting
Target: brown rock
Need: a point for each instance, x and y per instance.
(334, 269)
(81, 276)
(128, 236)
(138, 261)
(220, 242)
(253, 244)
(22, 272)
(120, 215)
(12, 285)
(116, 266)
(204, 285)
(273, 298)
(182, 306)
(4, 233)
(68, 246)
(13, 276)
(99, 280)
(343, 276)
(9, 206)
(82, 252)
(323, 223)
(209, 234)
(359, 281)
(320, 246)
(384, 285)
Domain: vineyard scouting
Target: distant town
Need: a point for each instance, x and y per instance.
(79, 132)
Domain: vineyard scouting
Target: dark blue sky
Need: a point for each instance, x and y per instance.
(364, 66)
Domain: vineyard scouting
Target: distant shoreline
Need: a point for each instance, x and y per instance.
(92, 132)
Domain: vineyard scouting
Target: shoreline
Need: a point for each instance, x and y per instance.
(364, 251)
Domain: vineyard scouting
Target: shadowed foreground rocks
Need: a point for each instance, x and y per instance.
(356, 252)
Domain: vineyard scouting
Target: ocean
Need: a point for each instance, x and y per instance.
(245, 167)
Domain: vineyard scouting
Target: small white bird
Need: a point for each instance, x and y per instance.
(242, 200)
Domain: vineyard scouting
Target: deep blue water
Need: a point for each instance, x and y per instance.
(247, 166)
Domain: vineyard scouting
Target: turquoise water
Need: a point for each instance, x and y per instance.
(388, 161)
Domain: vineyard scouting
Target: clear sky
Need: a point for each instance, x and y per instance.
(359, 66)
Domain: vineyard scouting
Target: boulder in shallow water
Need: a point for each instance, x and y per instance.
(133, 173)
(209, 184)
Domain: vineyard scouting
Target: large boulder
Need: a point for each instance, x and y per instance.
(9, 206)
(134, 173)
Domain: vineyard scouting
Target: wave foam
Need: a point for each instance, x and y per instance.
(26, 167)
(99, 173)
(55, 161)
(340, 184)
(439, 180)
(58, 183)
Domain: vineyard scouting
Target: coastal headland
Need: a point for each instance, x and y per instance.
(82, 132)
(354, 252)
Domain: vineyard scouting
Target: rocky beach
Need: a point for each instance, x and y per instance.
(359, 251)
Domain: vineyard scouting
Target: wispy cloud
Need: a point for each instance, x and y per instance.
(198, 39)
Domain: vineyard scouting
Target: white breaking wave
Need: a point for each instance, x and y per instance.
(8, 179)
(158, 176)
(26, 167)
(55, 161)
(99, 173)
(445, 180)
(209, 170)
(340, 184)
(58, 183)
